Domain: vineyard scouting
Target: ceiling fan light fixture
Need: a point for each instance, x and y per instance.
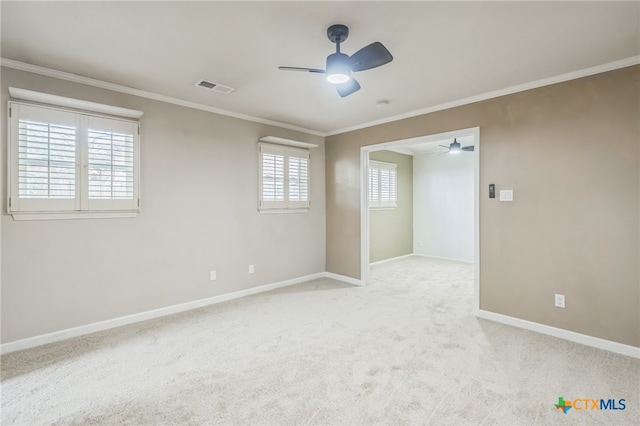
(337, 69)
(454, 148)
(337, 78)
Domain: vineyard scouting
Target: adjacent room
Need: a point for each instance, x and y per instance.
(323, 213)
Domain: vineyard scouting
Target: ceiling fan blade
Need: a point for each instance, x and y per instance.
(468, 148)
(314, 70)
(345, 89)
(370, 56)
(444, 146)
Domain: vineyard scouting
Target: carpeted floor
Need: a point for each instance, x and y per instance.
(403, 350)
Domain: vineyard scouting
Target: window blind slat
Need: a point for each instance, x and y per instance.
(272, 177)
(284, 177)
(382, 184)
(46, 160)
(110, 165)
(298, 179)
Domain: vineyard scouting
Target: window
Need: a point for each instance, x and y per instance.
(62, 161)
(284, 177)
(382, 185)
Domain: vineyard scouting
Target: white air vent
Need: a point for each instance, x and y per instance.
(219, 88)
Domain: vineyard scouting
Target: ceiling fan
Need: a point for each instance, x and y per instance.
(454, 147)
(340, 66)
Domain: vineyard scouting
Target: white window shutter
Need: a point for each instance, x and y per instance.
(44, 160)
(111, 164)
(382, 184)
(284, 177)
(66, 161)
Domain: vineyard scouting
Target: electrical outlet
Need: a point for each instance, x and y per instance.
(212, 275)
(559, 300)
(251, 269)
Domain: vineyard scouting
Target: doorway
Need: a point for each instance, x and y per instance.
(470, 136)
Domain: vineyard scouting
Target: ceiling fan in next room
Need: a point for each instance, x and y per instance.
(455, 147)
(340, 66)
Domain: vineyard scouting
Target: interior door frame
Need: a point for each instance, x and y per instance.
(364, 199)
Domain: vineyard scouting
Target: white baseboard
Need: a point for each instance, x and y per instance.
(391, 259)
(571, 336)
(343, 278)
(82, 330)
(443, 258)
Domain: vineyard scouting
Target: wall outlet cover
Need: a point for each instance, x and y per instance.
(506, 195)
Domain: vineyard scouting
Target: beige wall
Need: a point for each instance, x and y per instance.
(571, 153)
(391, 231)
(199, 212)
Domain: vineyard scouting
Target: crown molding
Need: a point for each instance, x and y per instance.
(36, 69)
(623, 63)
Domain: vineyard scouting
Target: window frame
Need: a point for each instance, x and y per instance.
(81, 206)
(286, 205)
(378, 203)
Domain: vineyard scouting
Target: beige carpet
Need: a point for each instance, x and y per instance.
(404, 350)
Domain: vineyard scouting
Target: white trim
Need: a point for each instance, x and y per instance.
(82, 330)
(285, 211)
(627, 62)
(288, 142)
(364, 215)
(391, 259)
(476, 223)
(452, 259)
(610, 66)
(343, 278)
(22, 66)
(364, 197)
(67, 216)
(46, 98)
(571, 336)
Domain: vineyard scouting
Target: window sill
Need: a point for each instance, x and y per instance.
(383, 208)
(278, 211)
(73, 216)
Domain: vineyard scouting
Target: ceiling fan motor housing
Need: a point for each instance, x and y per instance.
(337, 68)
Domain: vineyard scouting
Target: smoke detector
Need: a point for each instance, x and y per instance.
(215, 87)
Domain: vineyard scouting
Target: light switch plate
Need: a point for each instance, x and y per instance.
(506, 195)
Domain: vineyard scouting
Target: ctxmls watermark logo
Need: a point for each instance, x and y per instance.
(590, 404)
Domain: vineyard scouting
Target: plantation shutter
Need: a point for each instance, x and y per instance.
(299, 179)
(44, 148)
(284, 177)
(64, 161)
(382, 185)
(373, 185)
(111, 164)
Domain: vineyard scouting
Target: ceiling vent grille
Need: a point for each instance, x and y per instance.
(215, 87)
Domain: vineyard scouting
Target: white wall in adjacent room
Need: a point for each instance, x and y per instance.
(443, 205)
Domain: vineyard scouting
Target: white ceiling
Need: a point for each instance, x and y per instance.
(443, 51)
